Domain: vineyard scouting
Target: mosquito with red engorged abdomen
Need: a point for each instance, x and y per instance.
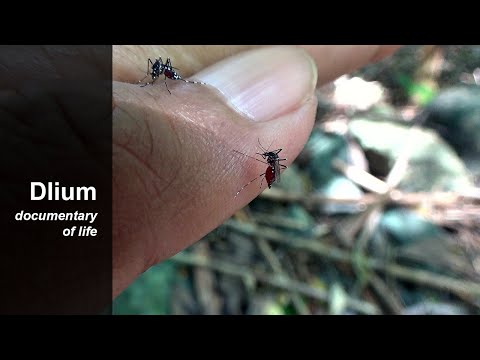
(157, 68)
(272, 174)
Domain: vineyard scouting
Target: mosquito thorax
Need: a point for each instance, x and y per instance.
(156, 68)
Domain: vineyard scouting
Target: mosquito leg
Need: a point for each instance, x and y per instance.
(261, 147)
(148, 83)
(238, 192)
(148, 71)
(168, 64)
(251, 157)
(261, 182)
(192, 82)
(165, 80)
(140, 81)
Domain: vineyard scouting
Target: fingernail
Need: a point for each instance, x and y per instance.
(264, 83)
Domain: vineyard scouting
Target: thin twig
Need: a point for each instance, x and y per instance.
(361, 177)
(279, 221)
(390, 299)
(368, 229)
(278, 281)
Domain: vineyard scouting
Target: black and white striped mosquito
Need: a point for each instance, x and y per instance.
(272, 159)
(157, 68)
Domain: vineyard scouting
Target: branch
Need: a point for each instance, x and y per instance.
(361, 177)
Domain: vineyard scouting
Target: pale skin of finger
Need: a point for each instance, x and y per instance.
(130, 61)
(339, 60)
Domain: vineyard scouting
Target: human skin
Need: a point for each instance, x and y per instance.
(175, 174)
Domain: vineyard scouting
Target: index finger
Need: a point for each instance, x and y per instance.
(130, 61)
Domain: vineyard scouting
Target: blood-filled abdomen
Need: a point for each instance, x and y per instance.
(270, 176)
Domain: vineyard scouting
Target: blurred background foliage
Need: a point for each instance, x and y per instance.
(380, 214)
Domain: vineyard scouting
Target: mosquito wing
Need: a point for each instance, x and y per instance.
(277, 171)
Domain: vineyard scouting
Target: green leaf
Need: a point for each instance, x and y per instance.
(421, 93)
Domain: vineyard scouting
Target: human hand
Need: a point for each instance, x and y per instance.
(175, 174)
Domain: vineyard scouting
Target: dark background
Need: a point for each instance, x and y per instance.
(55, 125)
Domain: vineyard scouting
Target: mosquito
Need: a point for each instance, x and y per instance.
(157, 68)
(272, 159)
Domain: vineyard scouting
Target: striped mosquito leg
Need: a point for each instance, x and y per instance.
(148, 83)
(166, 85)
(193, 82)
(141, 81)
(149, 63)
(251, 181)
(251, 157)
